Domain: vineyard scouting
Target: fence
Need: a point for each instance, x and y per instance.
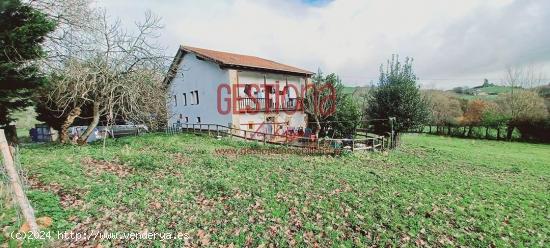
(353, 144)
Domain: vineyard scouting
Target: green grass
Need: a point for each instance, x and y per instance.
(433, 190)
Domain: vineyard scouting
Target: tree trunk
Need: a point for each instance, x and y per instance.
(449, 130)
(509, 132)
(83, 139)
(469, 131)
(430, 128)
(64, 135)
(486, 132)
(318, 127)
(11, 134)
(463, 131)
(498, 133)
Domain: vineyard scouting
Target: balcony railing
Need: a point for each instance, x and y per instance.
(271, 105)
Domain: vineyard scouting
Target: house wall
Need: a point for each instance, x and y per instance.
(204, 77)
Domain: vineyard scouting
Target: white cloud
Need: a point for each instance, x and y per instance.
(453, 42)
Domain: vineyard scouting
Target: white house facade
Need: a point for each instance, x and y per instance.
(240, 91)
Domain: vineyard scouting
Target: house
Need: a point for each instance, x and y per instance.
(239, 91)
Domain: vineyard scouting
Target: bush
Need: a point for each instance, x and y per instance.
(538, 130)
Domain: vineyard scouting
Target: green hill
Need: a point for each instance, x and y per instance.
(480, 92)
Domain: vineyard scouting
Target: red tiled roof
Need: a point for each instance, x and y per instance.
(239, 60)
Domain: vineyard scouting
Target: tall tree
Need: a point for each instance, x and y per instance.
(22, 31)
(347, 115)
(320, 98)
(397, 95)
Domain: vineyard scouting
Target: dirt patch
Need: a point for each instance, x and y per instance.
(180, 158)
(94, 166)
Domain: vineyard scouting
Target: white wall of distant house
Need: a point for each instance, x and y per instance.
(202, 76)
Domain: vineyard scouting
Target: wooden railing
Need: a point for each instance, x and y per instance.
(266, 104)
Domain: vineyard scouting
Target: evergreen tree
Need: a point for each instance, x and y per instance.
(22, 30)
(397, 95)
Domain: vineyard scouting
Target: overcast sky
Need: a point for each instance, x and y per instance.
(452, 42)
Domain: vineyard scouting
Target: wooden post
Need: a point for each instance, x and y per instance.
(217, 130)
(352, 144)
(15, 182)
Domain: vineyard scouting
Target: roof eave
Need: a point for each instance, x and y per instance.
(260, 69)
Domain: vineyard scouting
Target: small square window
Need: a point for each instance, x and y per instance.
(186, 119)
(198, 120)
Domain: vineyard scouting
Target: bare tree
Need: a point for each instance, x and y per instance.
(444, 109)
(115, 72)
(518, 103)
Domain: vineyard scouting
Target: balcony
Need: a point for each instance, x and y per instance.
(245, 105)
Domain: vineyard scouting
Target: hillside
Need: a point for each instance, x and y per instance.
(480, 92)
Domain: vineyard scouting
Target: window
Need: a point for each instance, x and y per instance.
(181, 116)
(197, 97)
(250, 125)
(186, 119)
(184, 99)
(198, 120)
(175, 100)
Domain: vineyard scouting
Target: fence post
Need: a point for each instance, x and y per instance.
(264, 138)
(217, 130)
(352, 144)
(20, 196)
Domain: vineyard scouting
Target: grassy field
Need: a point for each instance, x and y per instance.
(432, 191)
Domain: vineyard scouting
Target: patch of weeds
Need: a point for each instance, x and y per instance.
(48, 204)
(143, 161)
(215, 188)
